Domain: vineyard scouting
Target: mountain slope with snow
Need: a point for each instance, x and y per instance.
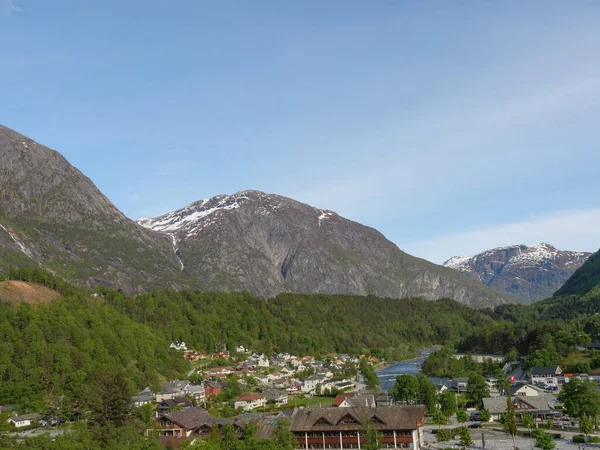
(268, 244)
(525, 272)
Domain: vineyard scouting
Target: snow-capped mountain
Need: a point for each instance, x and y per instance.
(525, 272)
(269, 244)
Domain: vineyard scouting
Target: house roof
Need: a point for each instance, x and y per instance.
(517, 386)
(250, 397)
(274, 394)
(143, 397)
(396, 417)
(33, 416)
(360, 400)
(534, 404)
(190, 418)
(546, 370)
(337, 401)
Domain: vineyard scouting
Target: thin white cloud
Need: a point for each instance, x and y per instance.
(8, 7)
(577, 230)
(445, 146)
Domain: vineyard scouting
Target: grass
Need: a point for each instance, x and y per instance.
(310, 401)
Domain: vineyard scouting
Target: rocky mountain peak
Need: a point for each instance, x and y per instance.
(268, 244)
(527, 272)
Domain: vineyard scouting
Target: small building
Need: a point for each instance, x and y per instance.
(540, 407)
(310, 384)
(25, 420)
(144, 398)
(546, 375)
(526, 390)
(178, 345)
(250, 401)
(275, 396)
(212, 388)
(173, 404)
(355, 401)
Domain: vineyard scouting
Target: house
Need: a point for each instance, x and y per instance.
(310, 384)
(171, 390)
(337, 401)
(186, 422)
(546, 375)
(275, 396)
(219, 371)
(25, 420)
(196, 422)
(143, 398)
(173, 404)
(356, 401)
(212, 388)
(178, 345)
(250, 401)
(344, 385)
(399, 426)
(260, 360)
(460, 384)
(241, 349)
(541, 407)
(526, 390)
(196, 390)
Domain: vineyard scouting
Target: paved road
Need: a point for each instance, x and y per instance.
(500, 440)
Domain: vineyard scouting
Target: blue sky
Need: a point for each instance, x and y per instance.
(452, 127)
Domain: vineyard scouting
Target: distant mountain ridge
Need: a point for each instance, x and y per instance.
(54, 217)
(525, 272)
(269, 244)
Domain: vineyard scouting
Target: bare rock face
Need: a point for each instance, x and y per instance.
(527, 273)
(53, 215)
(268, 244)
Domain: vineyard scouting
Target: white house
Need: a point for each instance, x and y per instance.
(525, 390)
(250, 401)
(178, 346)
(26, 420)
(310, 384)
(260, 360)
(546, 375)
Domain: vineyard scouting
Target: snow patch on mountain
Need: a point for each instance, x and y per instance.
(456, 261)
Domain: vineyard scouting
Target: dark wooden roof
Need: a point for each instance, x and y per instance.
(395, 417)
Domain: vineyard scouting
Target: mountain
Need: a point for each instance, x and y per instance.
(269, 244)
(525, 272)
(52, 216)
(585, 279)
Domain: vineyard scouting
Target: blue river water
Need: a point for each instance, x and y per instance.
(387, 376)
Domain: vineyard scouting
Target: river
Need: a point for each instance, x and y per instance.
(387, 376)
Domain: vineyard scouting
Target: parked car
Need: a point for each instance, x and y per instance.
(475, 425)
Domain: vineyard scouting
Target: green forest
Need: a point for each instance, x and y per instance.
(54, 355)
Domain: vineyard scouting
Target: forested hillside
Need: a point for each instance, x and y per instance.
(59, 348)
(546, 332)
(586, 278)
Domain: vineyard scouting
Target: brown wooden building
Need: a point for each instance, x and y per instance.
(345, 428)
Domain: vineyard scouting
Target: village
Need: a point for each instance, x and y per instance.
(326, 402)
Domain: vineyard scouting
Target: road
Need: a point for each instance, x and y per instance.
(496, 439)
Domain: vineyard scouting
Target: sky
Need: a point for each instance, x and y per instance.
(451, 127)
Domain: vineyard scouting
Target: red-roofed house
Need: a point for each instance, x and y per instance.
(339, 399)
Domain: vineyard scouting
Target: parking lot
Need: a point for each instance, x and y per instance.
(499, 440)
